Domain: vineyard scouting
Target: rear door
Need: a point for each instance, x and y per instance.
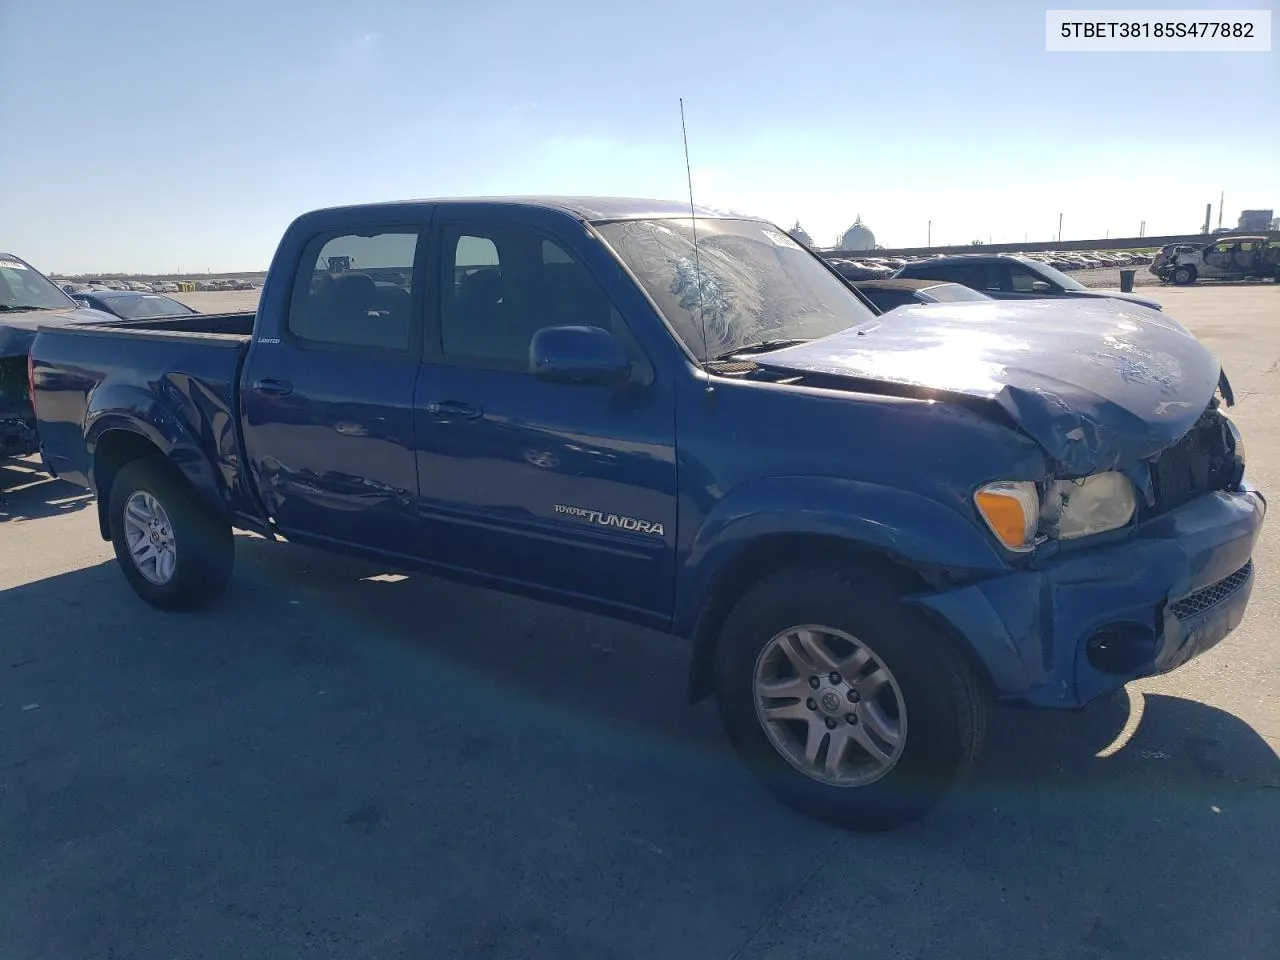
(327, 405)
(563, 488)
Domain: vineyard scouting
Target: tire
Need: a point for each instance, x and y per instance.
(200, 545)
(940, 720)
(1184, 275)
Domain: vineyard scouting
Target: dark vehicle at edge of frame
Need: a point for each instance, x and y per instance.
(27, 299)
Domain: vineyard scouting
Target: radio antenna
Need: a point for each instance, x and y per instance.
(697, 263)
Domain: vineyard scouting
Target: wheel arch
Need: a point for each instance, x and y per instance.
(906, 540)
(114, 442)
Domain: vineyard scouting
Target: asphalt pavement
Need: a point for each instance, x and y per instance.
(340, 760)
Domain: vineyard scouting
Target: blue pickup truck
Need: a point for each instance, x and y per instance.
(870, 528)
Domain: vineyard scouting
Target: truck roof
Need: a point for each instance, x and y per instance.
(592, 209)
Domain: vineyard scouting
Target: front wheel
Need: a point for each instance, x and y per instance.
(848, 705)
(174, 552)
(1184, 275)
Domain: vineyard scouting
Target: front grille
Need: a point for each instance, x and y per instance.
(1201, 461)
(1212, 595)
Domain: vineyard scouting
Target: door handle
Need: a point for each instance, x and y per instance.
(453, 410)
(274, 387)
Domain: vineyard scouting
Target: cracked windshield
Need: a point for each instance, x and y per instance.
(757, 284)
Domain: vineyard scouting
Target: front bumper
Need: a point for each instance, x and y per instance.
(1087, 621)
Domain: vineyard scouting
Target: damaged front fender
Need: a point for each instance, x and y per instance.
(1174, 588)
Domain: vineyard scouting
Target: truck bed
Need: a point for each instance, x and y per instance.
(232, 325)
(191, 364)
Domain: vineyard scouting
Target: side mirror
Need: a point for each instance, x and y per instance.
(84, 304)
(572, 354)
(1040, 286)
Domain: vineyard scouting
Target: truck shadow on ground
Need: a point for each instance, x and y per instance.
(26, 493)
(548, 759)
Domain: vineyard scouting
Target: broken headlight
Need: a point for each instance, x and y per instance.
(1088, 505)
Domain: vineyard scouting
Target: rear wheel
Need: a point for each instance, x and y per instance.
(848, 705)
(1184, 275)
(174, 552)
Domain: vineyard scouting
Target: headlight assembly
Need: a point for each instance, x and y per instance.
(1019, 515)
(1094, 504)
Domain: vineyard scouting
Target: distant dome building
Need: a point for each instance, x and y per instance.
(797, 234)
(858, 237)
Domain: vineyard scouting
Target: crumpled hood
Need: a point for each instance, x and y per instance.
(17, 330)
(1097, 384)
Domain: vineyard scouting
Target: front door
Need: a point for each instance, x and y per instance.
(563, 488)
(328, 406)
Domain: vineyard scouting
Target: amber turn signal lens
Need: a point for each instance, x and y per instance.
(1012, 511)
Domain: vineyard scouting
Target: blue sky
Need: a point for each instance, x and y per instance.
(155, 135)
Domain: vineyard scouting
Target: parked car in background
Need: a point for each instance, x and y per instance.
(27, 299)
(130, 305)
(1007, 277)
(892, 293)
(1165, 253)
(1226, 258)
(572, 401)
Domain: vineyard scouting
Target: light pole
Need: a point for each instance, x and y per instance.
(929, 236)
(1059, 228)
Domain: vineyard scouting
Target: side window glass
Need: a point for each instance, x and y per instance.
(503, 285)
(995, 277)
(356, 290)
(1023, 279)
(972, 275)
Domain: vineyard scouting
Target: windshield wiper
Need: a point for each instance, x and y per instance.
(762, 346)
(17, 307)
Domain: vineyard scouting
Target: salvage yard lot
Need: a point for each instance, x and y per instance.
(338, 760)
